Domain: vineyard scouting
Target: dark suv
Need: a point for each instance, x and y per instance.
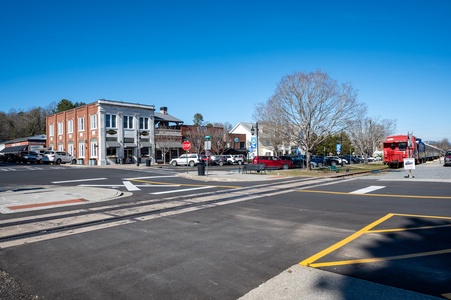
(273, 162)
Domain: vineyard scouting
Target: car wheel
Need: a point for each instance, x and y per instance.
(320, 165)
(191, 163)
(333, 163)
(58, 161)
(73, 162)
(285, 166)
(174, 163)
(221, 163)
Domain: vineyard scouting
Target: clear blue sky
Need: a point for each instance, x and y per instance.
(220, 58)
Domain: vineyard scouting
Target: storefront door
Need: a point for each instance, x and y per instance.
(128, 155)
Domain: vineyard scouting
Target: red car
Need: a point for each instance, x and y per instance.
(273, 162)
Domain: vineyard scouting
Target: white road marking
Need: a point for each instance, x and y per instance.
(130, 186)
(368, 189)
(79, 180)
(184, 190)
(147, 177)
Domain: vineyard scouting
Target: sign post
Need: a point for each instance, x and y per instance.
(186, 145)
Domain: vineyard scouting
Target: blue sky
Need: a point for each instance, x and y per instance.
(220, 58)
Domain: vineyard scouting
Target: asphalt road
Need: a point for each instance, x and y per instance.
(396, 233)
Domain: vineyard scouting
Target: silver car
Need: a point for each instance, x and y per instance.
(57, 157)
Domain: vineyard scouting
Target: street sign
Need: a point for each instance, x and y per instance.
(338, 147)
(186, 145)
(207, 145)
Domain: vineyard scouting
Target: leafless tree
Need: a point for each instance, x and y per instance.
(272, 128)
(367, 133)
(313, 106)
(196, 136)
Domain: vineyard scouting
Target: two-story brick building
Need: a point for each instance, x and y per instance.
(104, 132)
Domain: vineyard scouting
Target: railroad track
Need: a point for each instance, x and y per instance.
(42, 227)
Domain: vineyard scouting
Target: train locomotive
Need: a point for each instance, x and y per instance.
(398, 147)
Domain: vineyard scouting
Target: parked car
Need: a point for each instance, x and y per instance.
(230, 159)
(335, 158)
(57, 157)
(238, 159)
(273, 162)
(447, 158)
(297, 161)
(219, 160)
(30, 157)
(189, 159)
(332, 161)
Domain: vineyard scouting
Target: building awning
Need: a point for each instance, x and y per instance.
(113, 144)
(129, 145)
(146, 144)
(14, 149)
(172, 145)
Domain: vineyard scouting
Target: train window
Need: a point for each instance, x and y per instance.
(402, 146)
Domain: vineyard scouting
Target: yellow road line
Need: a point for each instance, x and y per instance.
(406, 229)
(343, 242)
(375, 195)
(423, 216)
(184, 184)
(377, 259)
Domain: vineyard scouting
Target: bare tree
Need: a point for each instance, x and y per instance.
(166, 143)
(272, 128)
(313, 106)
(367, 133)
(196, 136)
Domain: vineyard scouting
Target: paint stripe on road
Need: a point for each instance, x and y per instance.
(184, 190)
(78, 180)
(130, 186)
(368, 189)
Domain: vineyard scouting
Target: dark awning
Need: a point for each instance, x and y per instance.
(112, 144)
(146, 144)
(14, 149)
(235, 151)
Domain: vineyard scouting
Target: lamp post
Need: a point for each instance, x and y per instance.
(255, 131)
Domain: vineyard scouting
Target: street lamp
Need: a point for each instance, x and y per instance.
(255, 131)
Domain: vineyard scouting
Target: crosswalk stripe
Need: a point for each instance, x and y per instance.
(368, 189)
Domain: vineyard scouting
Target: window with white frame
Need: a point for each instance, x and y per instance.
(110, 121)
(128, 122)
(51, 130)
(70, 126)
(144, 123)
(81, 124)
(93, 121)
(81, 149)
(94, 148)
(60, 128)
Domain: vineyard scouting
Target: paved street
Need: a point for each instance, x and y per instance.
(344, 238)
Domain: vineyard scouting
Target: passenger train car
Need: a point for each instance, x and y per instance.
(398, 147)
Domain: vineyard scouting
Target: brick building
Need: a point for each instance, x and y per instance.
(104, 132)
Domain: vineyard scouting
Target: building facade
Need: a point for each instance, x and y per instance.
(104, 132)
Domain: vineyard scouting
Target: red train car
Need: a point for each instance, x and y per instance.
(398, 147)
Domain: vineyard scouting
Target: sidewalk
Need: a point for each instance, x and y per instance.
(25, 198)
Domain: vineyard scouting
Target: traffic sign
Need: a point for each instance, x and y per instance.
(186, 145)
